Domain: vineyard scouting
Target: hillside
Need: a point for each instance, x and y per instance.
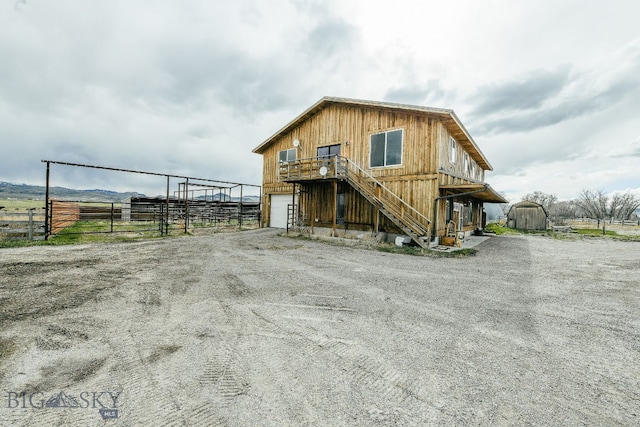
(37, 192)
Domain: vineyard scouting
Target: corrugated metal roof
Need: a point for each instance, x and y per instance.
(449, 118)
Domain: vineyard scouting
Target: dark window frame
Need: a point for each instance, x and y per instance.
(329, 149)
(388, 159)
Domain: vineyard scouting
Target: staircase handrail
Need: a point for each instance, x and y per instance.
(351, 164)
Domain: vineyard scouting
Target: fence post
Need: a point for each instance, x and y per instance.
(31, 224)
(112, 217)
(47, 223)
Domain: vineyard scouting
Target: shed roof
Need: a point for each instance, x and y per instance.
(528, 204)
(448, 117)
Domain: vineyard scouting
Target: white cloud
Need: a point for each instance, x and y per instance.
(548, 89)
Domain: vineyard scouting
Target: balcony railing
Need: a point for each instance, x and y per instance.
(313, 169)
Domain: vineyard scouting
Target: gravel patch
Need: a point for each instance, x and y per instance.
(252, 328)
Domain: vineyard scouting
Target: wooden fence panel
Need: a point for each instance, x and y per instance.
(63, 215)
(22, 225)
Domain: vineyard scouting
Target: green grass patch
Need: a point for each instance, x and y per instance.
(596, 232)
(20, 204)
(100, 231)
(576, 232)
(500, 230)
(96, 232)
(610, 234)
(21, 243)
(417, 251)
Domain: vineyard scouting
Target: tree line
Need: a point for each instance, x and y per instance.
(594, 204)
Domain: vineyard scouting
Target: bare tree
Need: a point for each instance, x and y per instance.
(597, 205)
(593, 203)
(565, 210)
(623, 206)
(544, 199)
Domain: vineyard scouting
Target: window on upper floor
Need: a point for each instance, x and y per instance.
(386, 148)
(285, 156)
(466, 164)
(453, 148)
(329, 150)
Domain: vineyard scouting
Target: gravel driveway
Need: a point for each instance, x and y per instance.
(254, 329)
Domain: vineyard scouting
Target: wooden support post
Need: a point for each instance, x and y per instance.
(335, 207)
(314, 207)
(377, 211)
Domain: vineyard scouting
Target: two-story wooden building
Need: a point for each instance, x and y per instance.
(347, 164)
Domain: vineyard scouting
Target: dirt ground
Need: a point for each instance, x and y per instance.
(254, 329)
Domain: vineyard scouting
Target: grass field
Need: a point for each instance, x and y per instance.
(626, 232)
(21, 205)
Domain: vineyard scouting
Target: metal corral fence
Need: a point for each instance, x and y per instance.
(22, 225)
(144, 214)
(163, 214)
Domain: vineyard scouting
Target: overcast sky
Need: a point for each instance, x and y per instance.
(549, 89)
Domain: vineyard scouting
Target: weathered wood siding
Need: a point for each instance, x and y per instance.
(415, 180)
(527, 216)
(425, 162)
(454, 172)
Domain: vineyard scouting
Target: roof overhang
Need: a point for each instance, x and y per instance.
(482, 192)
(448, 117)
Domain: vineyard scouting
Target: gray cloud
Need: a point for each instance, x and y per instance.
(557, 100)
(187, 90)
(429, 93)
(330, 36)
(193, 88)
(528, 93)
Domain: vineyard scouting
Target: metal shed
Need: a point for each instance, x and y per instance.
(527, 216)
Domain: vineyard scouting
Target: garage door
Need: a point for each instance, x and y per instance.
(278, 212)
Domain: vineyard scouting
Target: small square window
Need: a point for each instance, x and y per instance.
(285, 156)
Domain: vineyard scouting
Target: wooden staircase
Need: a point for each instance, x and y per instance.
(403, 215)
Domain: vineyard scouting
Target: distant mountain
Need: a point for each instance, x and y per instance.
(37, 192)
